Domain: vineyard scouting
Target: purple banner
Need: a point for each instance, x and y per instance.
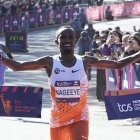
(122, 104)
(20, 101)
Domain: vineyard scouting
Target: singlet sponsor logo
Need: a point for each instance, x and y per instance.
(67, 83)
(57, 71)
(73, 71)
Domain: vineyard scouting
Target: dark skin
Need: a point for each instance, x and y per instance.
(66, 43)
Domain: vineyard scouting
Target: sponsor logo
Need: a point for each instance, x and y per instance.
(67, 83)
(57, 71)
(125, 107)
(73, 71)
(129, 107)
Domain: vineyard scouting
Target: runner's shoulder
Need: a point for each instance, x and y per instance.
(46, 60)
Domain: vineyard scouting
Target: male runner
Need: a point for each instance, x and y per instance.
(68, 84)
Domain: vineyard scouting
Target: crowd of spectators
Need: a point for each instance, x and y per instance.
(116, 44)
(12, 7)
(112, 44)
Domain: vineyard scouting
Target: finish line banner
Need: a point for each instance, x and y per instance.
(17, 101)
(122, 104)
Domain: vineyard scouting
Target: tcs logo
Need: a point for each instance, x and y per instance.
(125, 107)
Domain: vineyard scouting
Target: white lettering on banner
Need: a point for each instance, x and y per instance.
(135, 105)
(136, 101)
(125, 107)
(111, 79)
(137, 108)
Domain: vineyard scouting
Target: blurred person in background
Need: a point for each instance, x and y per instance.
(31, 5)
(98, 41)
(6, 8)
(117, 28)
(25, 22)
(125, 43)
(85, 45)
(43, 4)
(90, 30)
(22, 7)
(94, 40)
(83, 18)
(103, 37)
(112, 48)
(133, 44)
(76, 25)
(108, 14)
(14, 8)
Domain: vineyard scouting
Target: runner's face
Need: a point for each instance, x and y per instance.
(66, 41)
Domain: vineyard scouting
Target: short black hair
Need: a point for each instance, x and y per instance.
(63, 28)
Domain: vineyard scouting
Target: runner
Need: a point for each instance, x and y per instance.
(68, 84)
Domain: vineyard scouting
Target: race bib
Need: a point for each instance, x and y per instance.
(67, 91)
